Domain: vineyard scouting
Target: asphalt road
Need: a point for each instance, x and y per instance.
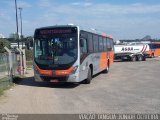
(129, 87)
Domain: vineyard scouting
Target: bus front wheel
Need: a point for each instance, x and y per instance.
(89, 77)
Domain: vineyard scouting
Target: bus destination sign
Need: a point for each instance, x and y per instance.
(52, 31)
(55, 31)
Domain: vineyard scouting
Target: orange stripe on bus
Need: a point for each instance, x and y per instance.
(157, 52)
(57, 72)
(111, 59)
(44, 72)
(103, 60)
(64, 72)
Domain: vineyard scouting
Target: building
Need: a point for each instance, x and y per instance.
(15, 45)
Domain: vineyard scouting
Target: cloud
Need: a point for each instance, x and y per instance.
(24, 4)
(4, 15)
(20, 3)
(87, 4)
(76, 3)
(1, 14)
(135, 9)
(122, 21)
(100, 9)
(125, 9)
(82, 3)
(44, 3)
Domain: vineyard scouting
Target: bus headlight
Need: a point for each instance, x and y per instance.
(74, 69)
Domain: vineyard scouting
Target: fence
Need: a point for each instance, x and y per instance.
(4, 65)
(5, 78)
(11, 64)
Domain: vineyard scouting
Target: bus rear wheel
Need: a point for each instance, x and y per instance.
(89, 77)
(107, 69)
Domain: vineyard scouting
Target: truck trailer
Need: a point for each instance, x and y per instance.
(132, 52)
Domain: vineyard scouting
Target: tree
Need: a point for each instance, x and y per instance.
(28, 42)
(4, 42)
(14, 36)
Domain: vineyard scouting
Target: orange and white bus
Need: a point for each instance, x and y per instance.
(68, 54)
(154, 49)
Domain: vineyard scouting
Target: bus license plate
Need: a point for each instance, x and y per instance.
(54, 81)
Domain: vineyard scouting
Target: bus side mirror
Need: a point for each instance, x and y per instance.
(81, 43)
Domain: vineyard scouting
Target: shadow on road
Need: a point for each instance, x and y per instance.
(29, 81)
(122, 61)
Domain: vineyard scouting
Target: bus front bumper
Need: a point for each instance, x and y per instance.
(69, 78)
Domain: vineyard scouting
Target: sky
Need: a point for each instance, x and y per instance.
(123, 19)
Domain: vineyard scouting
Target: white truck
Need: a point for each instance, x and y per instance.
(133, 52)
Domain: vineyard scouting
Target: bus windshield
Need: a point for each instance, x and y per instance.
(55, 52)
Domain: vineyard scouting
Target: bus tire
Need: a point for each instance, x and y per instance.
(89, 77)
(107, 69)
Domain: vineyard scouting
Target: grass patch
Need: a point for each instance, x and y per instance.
(29, 64)
(3, 67)
(5, 84)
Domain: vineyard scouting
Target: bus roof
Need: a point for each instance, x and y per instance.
(55, 26)
(59, 26)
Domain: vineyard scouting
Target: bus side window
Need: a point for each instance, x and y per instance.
(90, 43)
(108, 45)
(100, 44)
(105, 44)
(83, 45)
(95, 43)
(112, 44)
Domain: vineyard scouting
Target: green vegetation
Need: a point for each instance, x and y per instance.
(5, 84)
(3, 43)
(29, 64)
(29, 55)
(28, 41)
(3, 66)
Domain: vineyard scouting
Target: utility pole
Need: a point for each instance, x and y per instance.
(20, 10)
(17, 21)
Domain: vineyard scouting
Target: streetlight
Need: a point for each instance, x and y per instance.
(20, 9)
(17, 21)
